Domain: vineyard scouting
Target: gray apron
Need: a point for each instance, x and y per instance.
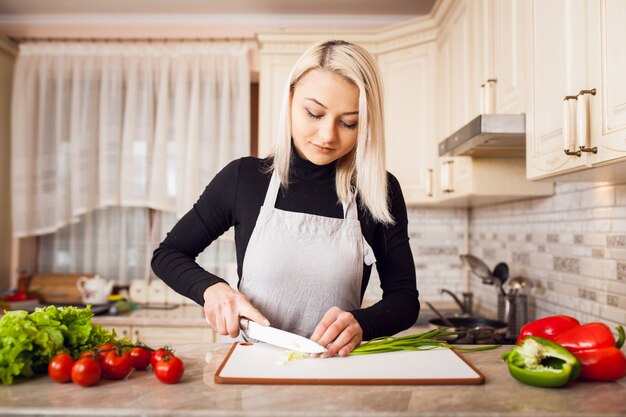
(299, 265)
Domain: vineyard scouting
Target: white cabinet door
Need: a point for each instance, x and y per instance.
(173, 336)
(499, 51)
(455, 70)
(273, 75)
(562, 35)
(608, 124)
(510, 23)
(410, 134)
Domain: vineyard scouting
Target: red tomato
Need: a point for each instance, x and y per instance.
(104, 350)
(170, 369)
(60, 368)
(140, 357)
(86, 372)
(88, 354)
(159, 354)
(116, 366)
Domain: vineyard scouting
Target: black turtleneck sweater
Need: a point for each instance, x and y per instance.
(234, 198)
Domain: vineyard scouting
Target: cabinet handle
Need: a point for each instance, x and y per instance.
(488, 96)
(429, 183)
(582, 121)
(569, 140)
(447, 177)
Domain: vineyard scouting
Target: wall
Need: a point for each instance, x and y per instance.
(437, 239)
(571, 245)
(7, 59)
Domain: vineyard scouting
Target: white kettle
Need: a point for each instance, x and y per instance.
(94, 290)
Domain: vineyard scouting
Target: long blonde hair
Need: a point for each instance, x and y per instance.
(362, 170)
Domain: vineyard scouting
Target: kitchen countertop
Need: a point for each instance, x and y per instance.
(143, 395)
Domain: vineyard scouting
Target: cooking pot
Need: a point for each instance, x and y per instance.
(472, 328)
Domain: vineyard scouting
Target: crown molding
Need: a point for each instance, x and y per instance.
(392, 37)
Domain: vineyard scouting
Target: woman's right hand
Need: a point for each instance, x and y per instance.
(224, 306)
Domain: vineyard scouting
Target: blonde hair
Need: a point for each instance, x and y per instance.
(362, 170)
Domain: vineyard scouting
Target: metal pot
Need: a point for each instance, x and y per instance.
(473, 329)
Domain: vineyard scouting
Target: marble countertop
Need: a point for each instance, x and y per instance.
(197, 394)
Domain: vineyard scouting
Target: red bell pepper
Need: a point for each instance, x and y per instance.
(595, 347)
(548, 327)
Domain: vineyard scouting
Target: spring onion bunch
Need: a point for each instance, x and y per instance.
(420, 341)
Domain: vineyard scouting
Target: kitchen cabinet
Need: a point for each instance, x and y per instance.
(474, 45)
(577, 47)
(159, 327)
(275, 67)
(453, 71)
(410, 135)
(499, 53)
(157, 335)
(466, 181)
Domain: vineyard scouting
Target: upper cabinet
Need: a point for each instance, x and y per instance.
(577, 112)
(500, 58)
(410, 135)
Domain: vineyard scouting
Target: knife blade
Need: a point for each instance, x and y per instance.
(279, 337)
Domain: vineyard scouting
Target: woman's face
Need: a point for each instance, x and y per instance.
(324, 116)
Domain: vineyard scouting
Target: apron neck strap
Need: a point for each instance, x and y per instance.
(349, 209)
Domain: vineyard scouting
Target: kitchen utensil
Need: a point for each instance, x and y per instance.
(94, 290)
(517, 299)
(260, 363)
(478, 267)
(277, 337)
(473, 329)
(441, 316)
(501, 273)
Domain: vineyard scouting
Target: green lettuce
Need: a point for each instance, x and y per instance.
(29, 341)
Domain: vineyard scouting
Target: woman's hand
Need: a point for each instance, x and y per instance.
(224, 306)
(339, 332)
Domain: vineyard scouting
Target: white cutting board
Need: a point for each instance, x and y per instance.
(260, 363)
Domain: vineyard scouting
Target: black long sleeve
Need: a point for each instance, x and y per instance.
(234, 198)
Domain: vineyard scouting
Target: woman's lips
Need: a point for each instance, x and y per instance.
(322, 149)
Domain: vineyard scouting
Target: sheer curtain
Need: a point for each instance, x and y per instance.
(112, 142)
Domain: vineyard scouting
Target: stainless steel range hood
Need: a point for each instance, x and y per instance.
(488, 135)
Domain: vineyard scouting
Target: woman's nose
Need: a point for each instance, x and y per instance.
(328, 131)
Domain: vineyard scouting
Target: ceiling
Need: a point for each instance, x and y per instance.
(197, 18)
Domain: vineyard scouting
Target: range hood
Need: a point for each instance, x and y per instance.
(488, 135)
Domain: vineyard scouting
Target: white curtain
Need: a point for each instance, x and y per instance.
(102, 132)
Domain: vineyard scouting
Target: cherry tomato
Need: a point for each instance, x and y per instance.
(140, 357)
(170, 369)
(86, 372)
(116, 366)
(60, 368)
(104, 350)
(159, 354)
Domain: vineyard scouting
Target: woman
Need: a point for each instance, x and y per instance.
(310, 220)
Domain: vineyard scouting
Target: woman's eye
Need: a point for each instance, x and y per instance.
(313, 115)
(349, 125)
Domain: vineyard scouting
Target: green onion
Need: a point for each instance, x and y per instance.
(419, 341)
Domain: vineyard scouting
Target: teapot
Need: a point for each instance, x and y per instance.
(94, 290)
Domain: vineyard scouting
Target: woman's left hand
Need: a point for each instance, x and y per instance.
(339, 332)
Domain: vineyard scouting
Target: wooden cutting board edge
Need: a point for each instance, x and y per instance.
(57, 288)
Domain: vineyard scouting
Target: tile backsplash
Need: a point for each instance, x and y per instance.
(571, 246)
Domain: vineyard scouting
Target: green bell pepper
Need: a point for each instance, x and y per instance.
(542, 363)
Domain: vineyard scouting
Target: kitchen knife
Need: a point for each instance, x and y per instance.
(277, 337)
